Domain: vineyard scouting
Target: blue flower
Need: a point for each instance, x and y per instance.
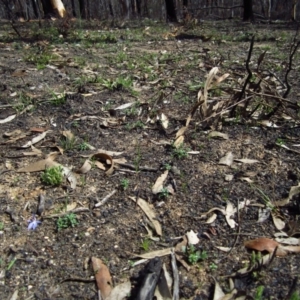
(33, 223)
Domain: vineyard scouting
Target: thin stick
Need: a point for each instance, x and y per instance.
(105, 199)
(175, 275)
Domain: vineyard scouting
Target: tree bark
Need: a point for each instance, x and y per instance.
(248, 11)
(47, 7)
(171, 10)
(83, 9)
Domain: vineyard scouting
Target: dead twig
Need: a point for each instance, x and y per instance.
(293, 49)
(105, 199)
(247, 79)
(175, 276)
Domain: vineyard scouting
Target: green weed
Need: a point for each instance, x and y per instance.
(168, 167)
(124, 183)
(295, 296)
(57, 100)
(265, 198)
(164, 193)
(23, 102)
(41, 60)
(145, 245)
(1, 225)
(213, 266)
(195, 255)
(259, 293)
(11, 263)
(68, 143)
(118, 84)
(255, 258)
(69, 220)
(83, 146)
(52, 176)
(180, 152)
(131, 263)
(133, 125)
(280, 142)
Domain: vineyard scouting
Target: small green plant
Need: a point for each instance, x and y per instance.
(133, 125)
(11, 263)
(255, 258)
(58, 100)
(145, 245)
(82, 180)
(164, 193)
(69, 220)
(259, 293)
(265, 198)
(168, 167)
(40, 59)
(1, 225)
(195, 255)
(213, 266)
(295, 296)
(180, 152)
(280, 142)
(131, 263)
(124, 183)
(118, 84)
(23, 102)
(52, 176)
(68, 143)
(83, 146)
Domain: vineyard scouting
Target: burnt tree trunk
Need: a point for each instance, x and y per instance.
(36, 9)
(171, 10)
(74, 13)
(47, 8)
(248, 11)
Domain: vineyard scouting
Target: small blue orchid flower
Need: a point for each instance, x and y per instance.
(33, 223)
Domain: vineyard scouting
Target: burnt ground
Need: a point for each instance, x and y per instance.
(72, 77)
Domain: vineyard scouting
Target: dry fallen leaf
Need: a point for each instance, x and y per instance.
(164, 121)
(149, 213)
(246, 160)
(262, 244)
(192, 237)
(226, 160)
(153, 254)
(36, 139)
(40, 165)
(179, 141)
(120, 291)
(124, 106)
(229, 213)
(102, 276)
(211, 219)
(263, 214)
(86, 167)
(8, 119)
(218, 292)
(214, 134)
(158, 185)
(180, 132)
(289, 241)
(278, 222)
(107, 159)
(68, 134)
(293, 191)
(265, 244)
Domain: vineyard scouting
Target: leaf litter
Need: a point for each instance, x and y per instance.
(200, 181)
